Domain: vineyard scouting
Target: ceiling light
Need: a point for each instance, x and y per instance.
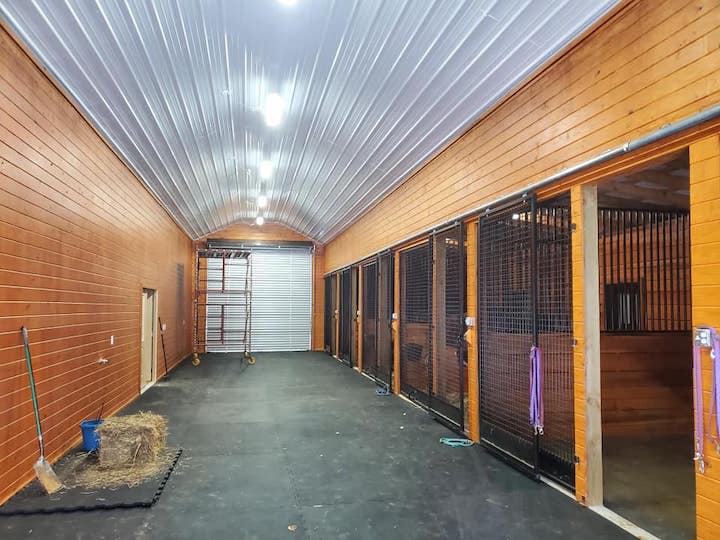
(287, 2)
(262, 201)
(259, 220)
(516, 216)
(266, 169)
(274, 106)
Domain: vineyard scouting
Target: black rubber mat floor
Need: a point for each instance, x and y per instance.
(299, 447)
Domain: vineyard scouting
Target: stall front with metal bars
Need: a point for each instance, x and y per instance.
(644, 269)
(525, 336)
(432, 312)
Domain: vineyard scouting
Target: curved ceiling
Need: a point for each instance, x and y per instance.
(369, 91)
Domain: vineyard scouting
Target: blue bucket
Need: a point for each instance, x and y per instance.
(91, 441)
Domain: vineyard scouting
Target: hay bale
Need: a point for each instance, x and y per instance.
(132, 440)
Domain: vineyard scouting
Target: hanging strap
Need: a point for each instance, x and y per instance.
(537, 407)
(699, 434)
(714, 395)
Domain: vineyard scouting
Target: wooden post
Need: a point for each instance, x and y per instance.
(472, 412)
(705, 284)
(586, 330)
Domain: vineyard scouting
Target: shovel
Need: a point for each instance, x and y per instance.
(43, 470)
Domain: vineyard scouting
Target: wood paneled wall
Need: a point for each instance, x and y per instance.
(646, 383)
(705, 257)
(276, 232)
(79, 239)
(650, 64)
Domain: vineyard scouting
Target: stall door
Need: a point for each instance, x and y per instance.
(524, 304)
(328, 319)
(448, 362)
(354, 315)
(506, 331)
(345, 311)
(333, 349)
(555, 333)
(416, 322)
(369, 318)
(385, 358)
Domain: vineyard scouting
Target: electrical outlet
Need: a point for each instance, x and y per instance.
(112, 340)
(164, 327)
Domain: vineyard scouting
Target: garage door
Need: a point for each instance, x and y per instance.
(281, 301)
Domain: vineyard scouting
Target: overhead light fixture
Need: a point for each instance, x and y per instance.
(259, 220)
(262, 201)
(274, 107)
(516, 216)
(287, 2)
(266, 169)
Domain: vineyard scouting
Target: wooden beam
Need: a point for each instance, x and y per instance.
(586, 329)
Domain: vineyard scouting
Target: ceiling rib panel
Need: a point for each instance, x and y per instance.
(371, 89)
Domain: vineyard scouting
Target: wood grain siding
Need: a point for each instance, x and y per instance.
(79, 239)
(705, 258)
(276, 232)
(650, 64)
(646, 383)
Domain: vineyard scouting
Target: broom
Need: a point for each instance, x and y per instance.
(43, 470)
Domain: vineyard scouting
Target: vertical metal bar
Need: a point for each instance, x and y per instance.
(222, 279)
(623, 213)
(653, 270)
(630, 260)
(645, 296)
(672, 270)
(666, 292)
(686, 268)
(658, 273)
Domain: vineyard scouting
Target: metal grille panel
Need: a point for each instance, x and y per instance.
(505, 329)
(416, 322)
(385, 351)
(369, 318)
(448, 388)
(555, 329)
(644, 258)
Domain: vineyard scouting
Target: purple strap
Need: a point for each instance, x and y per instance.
(714, 396)
(537, 407)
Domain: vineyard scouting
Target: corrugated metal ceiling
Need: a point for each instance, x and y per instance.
(371, 90)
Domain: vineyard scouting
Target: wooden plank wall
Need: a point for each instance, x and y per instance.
(650, 64)
(276, 232)
(646, 383)
(79, 239)
(705, 257)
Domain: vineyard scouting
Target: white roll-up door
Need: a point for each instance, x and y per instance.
(281, 295)
(281, 299)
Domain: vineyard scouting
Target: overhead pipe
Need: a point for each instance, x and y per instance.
(668, 130)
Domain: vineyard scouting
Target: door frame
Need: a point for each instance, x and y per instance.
(153, 294)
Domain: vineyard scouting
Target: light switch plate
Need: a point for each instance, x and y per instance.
(112, 340)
